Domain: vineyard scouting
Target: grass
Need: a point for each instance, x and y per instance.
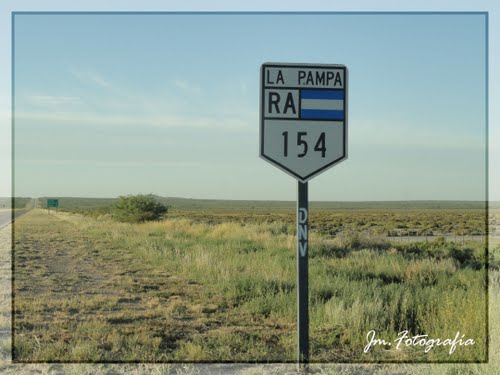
(457, 218)
(188, 204)
(179, 290)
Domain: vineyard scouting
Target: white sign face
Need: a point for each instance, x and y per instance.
(303, 117)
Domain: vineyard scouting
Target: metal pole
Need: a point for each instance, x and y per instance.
(302, 274)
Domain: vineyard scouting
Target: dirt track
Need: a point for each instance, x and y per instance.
(67, 279)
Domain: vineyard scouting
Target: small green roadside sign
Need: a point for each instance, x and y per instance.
(52, 203)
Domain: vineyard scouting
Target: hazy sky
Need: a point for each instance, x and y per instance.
(168, 103)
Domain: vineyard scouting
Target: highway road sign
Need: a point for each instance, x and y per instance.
(53, 203)
(303, 131)
(303, 117)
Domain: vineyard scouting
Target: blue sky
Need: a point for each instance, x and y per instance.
(168, 103)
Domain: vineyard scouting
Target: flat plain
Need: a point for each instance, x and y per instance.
(218, 284)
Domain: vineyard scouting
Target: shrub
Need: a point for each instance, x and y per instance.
(356, 240)
(138, 208)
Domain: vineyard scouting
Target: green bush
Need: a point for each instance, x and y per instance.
(138, 208)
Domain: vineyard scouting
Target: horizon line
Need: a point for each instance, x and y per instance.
(256, 200)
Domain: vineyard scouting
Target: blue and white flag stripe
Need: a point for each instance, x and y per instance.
(322, 94)
(322, 104)
(337, 105)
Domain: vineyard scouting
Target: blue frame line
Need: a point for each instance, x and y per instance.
(293, 13)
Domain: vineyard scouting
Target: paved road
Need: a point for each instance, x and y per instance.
(5, 216)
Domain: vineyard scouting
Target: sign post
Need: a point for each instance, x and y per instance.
(303, 131)
(303, 272)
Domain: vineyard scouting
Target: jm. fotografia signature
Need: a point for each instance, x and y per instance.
(404, 339)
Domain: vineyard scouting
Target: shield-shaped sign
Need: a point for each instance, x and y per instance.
(303, 117)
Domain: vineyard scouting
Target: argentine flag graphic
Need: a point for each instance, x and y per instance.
(322, 104)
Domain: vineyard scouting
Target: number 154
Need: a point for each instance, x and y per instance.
(320, 145)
